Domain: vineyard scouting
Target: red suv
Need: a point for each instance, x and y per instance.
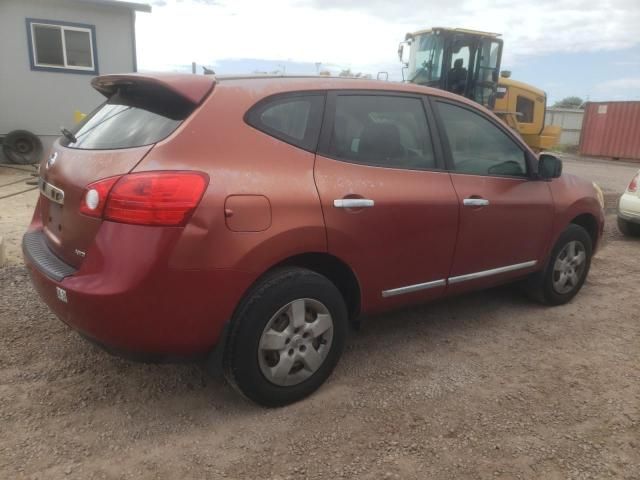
(249, 220)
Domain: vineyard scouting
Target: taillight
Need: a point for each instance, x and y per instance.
(95, 196)
(147, 198)
(633, 185)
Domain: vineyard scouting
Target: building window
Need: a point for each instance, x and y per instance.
(524, 108)
(58, 46)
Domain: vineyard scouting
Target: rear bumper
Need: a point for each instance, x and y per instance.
(127, 299)
(629, 207)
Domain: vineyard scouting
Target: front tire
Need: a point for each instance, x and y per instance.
(566, 270)
(627, 228)
(286, 338)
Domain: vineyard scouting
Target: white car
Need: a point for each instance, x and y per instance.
(629, 208)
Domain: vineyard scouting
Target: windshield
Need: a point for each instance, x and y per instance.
(425, 61)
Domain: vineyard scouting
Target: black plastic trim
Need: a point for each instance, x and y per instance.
(35, 248)
(143, 357)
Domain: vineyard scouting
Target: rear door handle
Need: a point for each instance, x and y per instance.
(353, 203)
(475, 202)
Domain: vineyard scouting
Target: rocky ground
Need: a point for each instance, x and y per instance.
(487, 385)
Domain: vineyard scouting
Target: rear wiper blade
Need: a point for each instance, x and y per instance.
(68, 135)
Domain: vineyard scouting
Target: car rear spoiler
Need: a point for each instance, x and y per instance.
(193, 88)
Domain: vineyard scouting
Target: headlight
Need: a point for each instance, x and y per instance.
(599, 194)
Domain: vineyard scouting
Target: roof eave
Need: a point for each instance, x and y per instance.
(138, 7)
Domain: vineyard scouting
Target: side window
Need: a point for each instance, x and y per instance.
(383, 131)
(293, 118)
(524, 108)
(478, 146)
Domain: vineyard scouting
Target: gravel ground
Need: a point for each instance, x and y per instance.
(612, 176)
(487, 385)
(16, 207)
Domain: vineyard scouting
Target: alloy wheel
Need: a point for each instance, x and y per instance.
(569, 267)
(295, 342)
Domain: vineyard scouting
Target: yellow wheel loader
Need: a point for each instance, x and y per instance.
(467, 62)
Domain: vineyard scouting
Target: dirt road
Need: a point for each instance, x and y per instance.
(487, 385)
(612, 176)
(16, 208)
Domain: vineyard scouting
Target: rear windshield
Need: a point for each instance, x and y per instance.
(134, 116)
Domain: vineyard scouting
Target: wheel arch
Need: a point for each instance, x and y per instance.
(334, 269)
(590, 224)
(337, 271)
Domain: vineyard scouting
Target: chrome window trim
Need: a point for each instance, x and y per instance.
(52, 193)
(413, 288)
(493, 271)
(457, 279)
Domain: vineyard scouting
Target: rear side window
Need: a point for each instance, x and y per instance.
(379, 130)
(292, 118)
(134, 116)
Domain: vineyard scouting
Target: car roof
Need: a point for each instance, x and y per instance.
(264, 85)
(195, 87)
(321, 82)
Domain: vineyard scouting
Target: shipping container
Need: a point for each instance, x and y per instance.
(611, 129)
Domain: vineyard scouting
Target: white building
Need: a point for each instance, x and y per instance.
(50, 50)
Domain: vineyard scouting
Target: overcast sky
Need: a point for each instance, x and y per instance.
(582, 47)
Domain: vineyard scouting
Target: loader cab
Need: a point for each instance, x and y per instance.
(460, 61)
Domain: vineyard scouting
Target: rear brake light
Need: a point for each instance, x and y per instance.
(149, 198)
(633, 185)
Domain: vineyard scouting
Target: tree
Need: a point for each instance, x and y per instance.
(348, 73)
(569, 102)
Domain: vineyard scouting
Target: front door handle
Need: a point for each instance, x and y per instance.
(475, 202)
(353, 203)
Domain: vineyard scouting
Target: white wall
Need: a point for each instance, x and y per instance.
(43, 101)
(571, 122)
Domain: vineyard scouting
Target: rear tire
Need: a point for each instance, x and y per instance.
(627, 228)
(286, 337)
(566, 270)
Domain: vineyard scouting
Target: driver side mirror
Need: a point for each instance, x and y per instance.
(549, 166)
